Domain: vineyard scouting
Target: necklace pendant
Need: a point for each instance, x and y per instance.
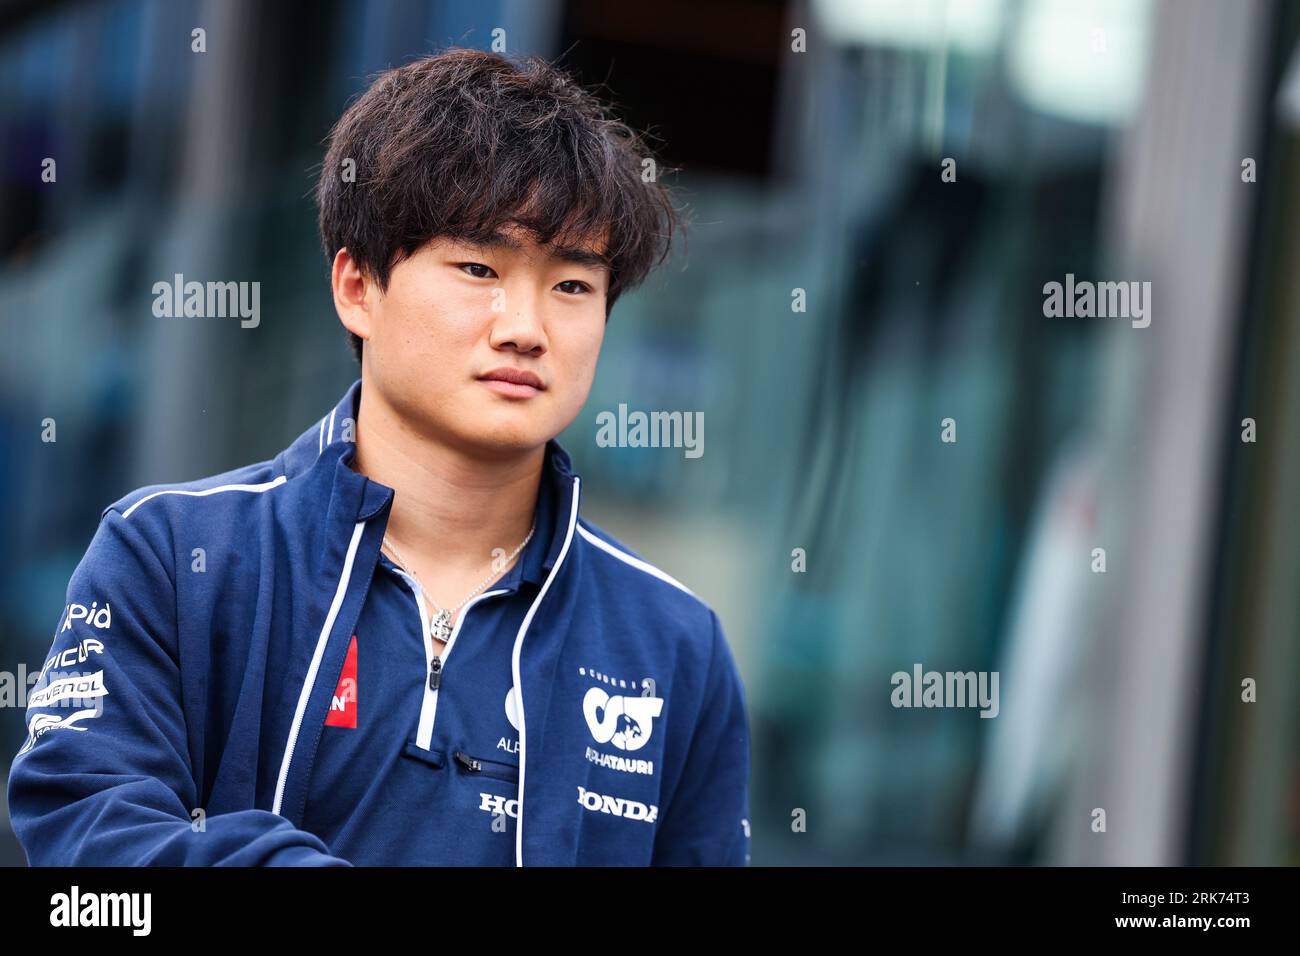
(441, 628)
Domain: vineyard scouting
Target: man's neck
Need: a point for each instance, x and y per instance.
(451, 510)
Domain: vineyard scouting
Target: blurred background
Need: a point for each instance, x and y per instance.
(1114, 140)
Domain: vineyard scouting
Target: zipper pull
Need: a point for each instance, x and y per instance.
(435, 673)
(469, 762)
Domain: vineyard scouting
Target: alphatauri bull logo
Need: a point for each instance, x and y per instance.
(625, 722)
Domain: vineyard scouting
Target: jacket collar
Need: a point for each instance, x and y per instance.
(330, 442)
(329, 437)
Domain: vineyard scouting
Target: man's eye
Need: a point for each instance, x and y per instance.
(576, 287)
(477, 270)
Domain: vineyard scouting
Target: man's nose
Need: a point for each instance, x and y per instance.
(518, 324)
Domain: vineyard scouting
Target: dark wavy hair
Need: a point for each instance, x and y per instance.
(458, 144)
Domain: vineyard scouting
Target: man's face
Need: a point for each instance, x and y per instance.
(459, 321)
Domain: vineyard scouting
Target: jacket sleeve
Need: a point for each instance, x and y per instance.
(104, 777)
(707, 822)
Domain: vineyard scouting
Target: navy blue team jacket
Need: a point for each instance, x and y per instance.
(240, 677)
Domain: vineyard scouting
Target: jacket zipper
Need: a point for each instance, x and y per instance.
(436, 663)
(489, 768)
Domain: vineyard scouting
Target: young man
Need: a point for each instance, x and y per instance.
(398, 641)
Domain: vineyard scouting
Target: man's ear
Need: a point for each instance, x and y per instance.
(354, 295)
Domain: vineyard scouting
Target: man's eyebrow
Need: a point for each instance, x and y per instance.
(578, 255)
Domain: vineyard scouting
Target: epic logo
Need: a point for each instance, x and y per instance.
(626, 722)
(102, 618)
(73, 655)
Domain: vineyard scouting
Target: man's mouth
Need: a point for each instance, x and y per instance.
(512, 382)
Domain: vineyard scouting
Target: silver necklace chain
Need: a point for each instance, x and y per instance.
(441, 624)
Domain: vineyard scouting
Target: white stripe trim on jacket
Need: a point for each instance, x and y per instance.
(633, 561)
(514, 669)
(310, 680)
(265, 486)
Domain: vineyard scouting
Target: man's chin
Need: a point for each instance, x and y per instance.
(492, 438)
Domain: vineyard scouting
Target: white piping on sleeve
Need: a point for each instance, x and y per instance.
(265, 486)
(634, 562)
(514, 668)
(310, 680)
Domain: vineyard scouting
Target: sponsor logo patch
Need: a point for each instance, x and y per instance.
(343, 705)
(625, 722)
(625, 764)
(41, 723)
(95, 616)
(77, 687)
(494, 804)
(616, 806)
